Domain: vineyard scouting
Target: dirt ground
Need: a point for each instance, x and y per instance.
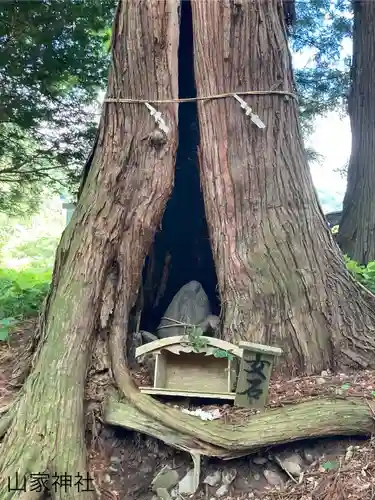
(127, 464)
(124, 463)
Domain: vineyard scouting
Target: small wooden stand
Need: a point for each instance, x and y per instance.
(254, 375)
(180, 371)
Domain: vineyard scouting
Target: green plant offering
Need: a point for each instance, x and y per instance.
(5, 326)
(198, 342)
(195, 339)
(222, 353)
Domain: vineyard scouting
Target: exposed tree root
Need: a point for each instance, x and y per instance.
(38, 440)
(125, 415)
(306, 420)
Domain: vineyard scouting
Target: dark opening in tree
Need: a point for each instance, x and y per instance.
(181, 251)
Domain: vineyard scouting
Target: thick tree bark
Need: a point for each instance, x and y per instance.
(274, 278)
(281, 276)
(101, 254)
(357, 227)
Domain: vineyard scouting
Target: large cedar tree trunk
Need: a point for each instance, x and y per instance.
(357, 226)
(281, 276)
(101, 254)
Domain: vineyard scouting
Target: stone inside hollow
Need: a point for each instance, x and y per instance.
(163, 494)
(166, 478)
(291, 463)
(223, 490)
(213, 479)
(190, 306)
(229, 476)
(273, 477)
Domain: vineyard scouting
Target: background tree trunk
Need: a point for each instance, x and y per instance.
(281, 276)
(101, 254)
(357, 226)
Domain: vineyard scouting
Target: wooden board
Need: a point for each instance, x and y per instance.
(261, 348)
(156, 345)
(160, 372)
(253, 379)
(233, 370)
(195, 372)
(187, 394)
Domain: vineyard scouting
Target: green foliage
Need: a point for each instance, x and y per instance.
(342, 391)
(31, 240)
(313, 156)
(20, 199)
(330, 465)
(27, 254)
(321, 27)
(21, 294)
(54, 57)
(5, 326)
(53, 62)
(40, 250)
(364, 274)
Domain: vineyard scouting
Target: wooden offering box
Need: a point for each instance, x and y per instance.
(180, 371)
